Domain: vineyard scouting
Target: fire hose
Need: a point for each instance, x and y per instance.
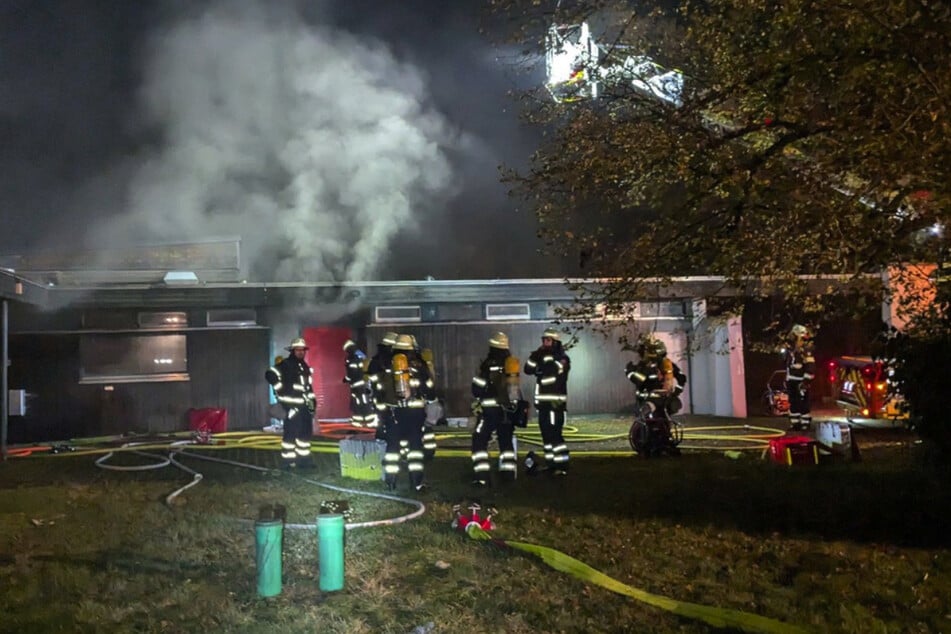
(714, 616)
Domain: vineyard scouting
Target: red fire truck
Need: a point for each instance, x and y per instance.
(861, 386)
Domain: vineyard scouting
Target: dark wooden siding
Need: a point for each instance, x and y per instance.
(596, 385)
(226, 370)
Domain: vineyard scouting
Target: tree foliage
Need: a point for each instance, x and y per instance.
(813, 139)
(812, 142)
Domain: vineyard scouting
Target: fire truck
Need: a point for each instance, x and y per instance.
(862, 387)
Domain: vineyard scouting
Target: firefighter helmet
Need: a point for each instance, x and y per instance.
(798, 331)
(404, 342)
(499, 340)
(649, 347)
(389, 339)
(551, 333)
(297, 343)
(349, 344)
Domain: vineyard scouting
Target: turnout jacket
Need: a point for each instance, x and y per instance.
(653, 378)
(550, 367)
(800, 363)
(381, 377)
(489, 385)
(292, 382)
(353, 370)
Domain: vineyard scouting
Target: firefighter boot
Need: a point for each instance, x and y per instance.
(531, 463)
(416, 479)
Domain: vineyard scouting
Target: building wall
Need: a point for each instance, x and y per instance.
(597, 383)
(226, 369)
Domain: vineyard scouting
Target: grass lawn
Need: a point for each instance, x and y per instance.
(848, 547)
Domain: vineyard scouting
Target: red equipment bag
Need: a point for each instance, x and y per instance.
(794, 450)
(208, 420)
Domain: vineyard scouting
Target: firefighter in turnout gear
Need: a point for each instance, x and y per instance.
(659, 383)
(293, 386)
(426, 357)
(800, 370)
(405, 390)
(550, 366)
(378, 372)
(657, 378)
(362, 409)
(498, 390)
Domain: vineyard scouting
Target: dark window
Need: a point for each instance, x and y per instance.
(507, 311)
(163, 320)
(132, 358)
(232, 317)
(398, 313)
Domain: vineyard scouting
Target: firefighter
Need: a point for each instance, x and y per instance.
(659, 383)
(657, 378)
(378, 372)
(550, 366)
(800, 370)
(432, 408)
(435, 409)
(497, 389)
(405, 389)
(293, 386)
(362, 408)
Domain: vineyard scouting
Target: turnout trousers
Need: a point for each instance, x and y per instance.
(493, 421)
(551, 423)
(298, 429)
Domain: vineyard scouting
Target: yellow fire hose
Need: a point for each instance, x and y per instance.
(738, 438)
(717, 617)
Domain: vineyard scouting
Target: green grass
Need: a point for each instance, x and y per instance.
(853, 547)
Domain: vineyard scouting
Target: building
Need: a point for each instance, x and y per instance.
(131, 340)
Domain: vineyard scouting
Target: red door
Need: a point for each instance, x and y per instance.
(326, 357)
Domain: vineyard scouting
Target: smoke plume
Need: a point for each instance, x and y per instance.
(312, 145)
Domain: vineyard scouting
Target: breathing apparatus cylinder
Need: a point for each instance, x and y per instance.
(513, 384)
(269, 537)
(330, 530)
(400, 366)
(427, 356)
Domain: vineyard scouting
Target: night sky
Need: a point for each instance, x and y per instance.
(339, 140)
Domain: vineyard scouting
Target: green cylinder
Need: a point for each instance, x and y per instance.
(330, 530)
(269, 535)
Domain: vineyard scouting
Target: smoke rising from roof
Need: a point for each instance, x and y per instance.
(314, 146)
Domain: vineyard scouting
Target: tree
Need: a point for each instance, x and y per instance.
(811, 138)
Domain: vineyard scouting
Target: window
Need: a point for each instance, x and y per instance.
(110, 320)
(603, 312)
(132, 358)
(397, 313)
(495, 312)
(163, 320)
(232, 317)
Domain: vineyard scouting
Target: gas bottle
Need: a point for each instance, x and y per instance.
(513, 384)
(400, 365)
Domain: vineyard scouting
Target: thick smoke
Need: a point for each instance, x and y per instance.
(313, 146)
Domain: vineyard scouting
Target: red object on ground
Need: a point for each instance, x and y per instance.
(208, 420)
(793, 450)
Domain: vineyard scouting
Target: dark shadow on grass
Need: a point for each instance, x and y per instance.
(129, 562)
(895, 500)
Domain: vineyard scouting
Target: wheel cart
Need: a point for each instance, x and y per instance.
(776, 397)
